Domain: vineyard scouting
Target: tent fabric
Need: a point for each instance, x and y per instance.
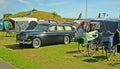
(22, 23)
(24, 19)
(109, 26)
(1, 24)
(32, 25)
(117, 40)
(117, 37)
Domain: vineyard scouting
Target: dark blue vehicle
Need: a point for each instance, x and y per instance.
(107, 31)
(46, 33)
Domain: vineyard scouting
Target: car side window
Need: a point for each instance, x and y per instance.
(52, 28)
(67, 27)
(60, 28)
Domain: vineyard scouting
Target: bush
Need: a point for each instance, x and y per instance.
(55, 14)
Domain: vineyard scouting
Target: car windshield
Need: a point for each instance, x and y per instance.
(41, 27)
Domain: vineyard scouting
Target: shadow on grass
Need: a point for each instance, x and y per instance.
(78, 54)
(72, 52)
(100, 57)
(17, 46)
(95, 59)
(75, 51)
(90, 60)
(115, 63)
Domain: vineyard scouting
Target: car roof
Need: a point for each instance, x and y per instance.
(55, 24)
(107, 19)
(113, 20)
(48, 23)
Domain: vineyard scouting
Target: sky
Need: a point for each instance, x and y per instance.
(65, 8)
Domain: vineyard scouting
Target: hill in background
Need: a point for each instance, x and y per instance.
(41, 15)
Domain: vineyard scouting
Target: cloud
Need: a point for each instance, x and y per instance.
(2, 1)
(57, 3)
(37, 0)
(24, 1)
(3, 8)
(112, 3)
(108, 2)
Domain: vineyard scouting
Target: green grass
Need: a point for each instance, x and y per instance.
(59, 56)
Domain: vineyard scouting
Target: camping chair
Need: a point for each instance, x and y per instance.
(109, 45)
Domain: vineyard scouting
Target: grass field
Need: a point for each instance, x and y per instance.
(59, 56)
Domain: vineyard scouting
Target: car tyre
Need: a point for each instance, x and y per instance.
(66, 40)
(20, 44)
(36, 43)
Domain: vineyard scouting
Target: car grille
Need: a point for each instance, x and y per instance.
(21, 36)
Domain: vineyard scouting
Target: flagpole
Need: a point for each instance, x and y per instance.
(86, 9)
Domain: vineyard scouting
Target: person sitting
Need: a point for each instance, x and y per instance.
(80, 31)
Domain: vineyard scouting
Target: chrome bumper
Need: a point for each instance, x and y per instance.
(24, 42)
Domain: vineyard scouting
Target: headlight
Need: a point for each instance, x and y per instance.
(27, 35)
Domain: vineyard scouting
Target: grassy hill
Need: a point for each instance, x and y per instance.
(42, 15)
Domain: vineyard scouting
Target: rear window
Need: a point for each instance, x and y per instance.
(67, 27)
(60, 28)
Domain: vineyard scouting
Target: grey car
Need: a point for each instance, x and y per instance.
(46, 33)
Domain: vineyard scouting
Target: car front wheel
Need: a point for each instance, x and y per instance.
(66, 40)
(36, 43)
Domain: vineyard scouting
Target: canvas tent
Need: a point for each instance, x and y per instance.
(109, 28)
(20, 24)
(108, 24)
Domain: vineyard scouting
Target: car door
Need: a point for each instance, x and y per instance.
(51, 35)
(60, 33)
(69, 31)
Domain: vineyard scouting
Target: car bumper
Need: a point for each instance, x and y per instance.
(24, 42)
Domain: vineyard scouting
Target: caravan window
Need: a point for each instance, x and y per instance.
(94, 26)
(109, 26)
(60, 28)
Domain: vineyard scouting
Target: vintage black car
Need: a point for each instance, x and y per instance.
(46, 33)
